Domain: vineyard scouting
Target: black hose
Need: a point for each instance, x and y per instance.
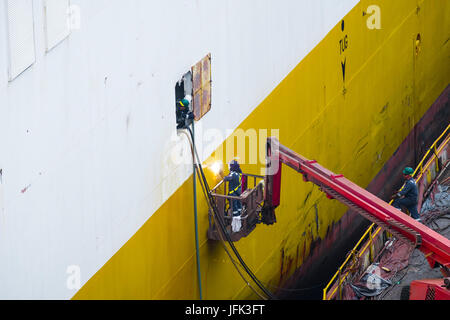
(222, 226)
(224, 246)
(213, 206)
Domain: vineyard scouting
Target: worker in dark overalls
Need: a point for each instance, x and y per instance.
(183, 114)
(234, 189)
(408, 196)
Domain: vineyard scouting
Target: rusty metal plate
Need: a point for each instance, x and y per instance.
(201, 83)
(197, 77)
(197, 105)
(206, 100)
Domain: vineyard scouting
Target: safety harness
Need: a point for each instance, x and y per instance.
(239, 184)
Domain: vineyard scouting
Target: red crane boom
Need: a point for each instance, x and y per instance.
(435, 247)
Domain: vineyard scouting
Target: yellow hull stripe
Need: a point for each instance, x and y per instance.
(351, 123)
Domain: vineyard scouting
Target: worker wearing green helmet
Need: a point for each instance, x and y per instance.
(408, 171)
(407, 196)
(183, 114)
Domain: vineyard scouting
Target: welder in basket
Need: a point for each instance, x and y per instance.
(234, 189)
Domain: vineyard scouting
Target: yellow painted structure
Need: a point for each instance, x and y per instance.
(351, 126)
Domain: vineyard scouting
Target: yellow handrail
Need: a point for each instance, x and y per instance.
(434, 155)
(345, 262)
(422, 170)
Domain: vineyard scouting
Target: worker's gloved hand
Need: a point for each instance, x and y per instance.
(394, 196)
(190, 116)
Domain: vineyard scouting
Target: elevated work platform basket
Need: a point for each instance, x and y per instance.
(251, 199)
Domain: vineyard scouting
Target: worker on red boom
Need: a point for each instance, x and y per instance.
(407, 197)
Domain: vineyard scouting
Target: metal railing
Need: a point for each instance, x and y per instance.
(251, 200)
(256, 179)
(354, 255)
(436, 151)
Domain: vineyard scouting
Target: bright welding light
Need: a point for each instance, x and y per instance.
(216, 167)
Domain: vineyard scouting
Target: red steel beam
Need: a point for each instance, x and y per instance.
(435, 246)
